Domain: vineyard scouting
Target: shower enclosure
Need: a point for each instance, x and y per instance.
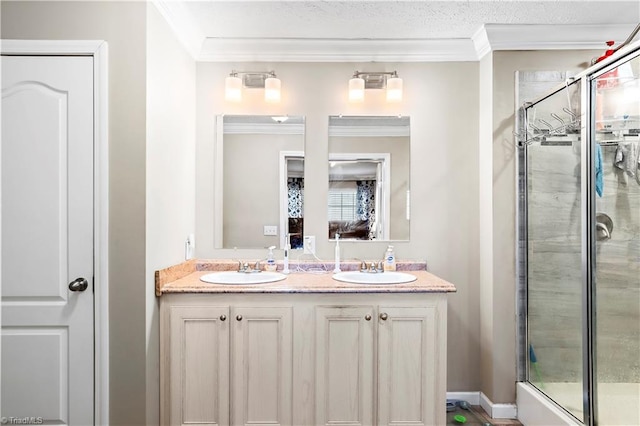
(579, 234)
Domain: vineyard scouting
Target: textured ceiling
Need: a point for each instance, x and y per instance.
(392, 19)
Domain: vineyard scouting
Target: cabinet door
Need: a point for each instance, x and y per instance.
(199, 365)
(262, 366)
(344, 365)
(408, 364)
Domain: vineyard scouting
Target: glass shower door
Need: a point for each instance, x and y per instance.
(554, 244)
(616, 94)
(579, 257)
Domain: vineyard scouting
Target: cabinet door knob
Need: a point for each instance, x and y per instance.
(239, 317)
(384, 316)
(367, 317)
(223, 317)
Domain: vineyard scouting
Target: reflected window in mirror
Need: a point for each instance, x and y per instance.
(255, 156)
(369, 178)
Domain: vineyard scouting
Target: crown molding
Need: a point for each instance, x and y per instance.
(336, 50)
(181, 22)
(492, 37)
(488, 38)
(481, 42)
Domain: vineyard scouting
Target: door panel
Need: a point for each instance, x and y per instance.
(21, 348)
(47, 238)
(199, 365)
(35, 191)
(344, 365)
(262, 366)
(406, 368)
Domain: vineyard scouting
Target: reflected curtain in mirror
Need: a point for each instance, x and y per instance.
(366, 210)
(295, 202)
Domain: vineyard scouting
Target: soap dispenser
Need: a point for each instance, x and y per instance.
(271, 261)
(389, 259)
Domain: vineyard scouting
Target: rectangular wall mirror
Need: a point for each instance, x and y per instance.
(259, 181)
(369, 192)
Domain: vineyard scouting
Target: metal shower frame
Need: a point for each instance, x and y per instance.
(588, 232)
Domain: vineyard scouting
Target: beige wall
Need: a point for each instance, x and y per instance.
(498, 221)
(122, 25)
(485, 278)
(252, 187)
(170, 181)
(442, 101)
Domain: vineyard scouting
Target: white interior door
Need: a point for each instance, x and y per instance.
(47, 363)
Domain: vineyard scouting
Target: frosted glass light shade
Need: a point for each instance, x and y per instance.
(233, 89)
(394, 89)
(272, 89)
(356, 89)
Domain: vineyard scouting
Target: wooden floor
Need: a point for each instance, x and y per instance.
(478, 417)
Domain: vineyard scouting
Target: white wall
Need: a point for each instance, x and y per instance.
(123, 26)
(442, 101)
(170, 197)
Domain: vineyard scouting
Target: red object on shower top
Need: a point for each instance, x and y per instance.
(609, 79)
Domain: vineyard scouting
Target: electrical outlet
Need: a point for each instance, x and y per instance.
(309, 244)
(271, 230)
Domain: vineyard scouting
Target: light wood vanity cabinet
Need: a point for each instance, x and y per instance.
(388, 354)
(303, 359)
(226, 364)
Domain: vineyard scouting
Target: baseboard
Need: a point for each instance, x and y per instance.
(495, 411)
(472, 398)
(498, 411)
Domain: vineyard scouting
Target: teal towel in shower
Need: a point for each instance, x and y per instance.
(599, 178)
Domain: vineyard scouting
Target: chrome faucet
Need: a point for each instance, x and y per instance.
(245, 268)
(372, 268)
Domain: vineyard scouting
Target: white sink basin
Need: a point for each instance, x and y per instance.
(240, 278)
(389, 277)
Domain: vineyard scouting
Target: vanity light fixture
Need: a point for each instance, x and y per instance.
(362, 80)
(356, 88)
(238, 80)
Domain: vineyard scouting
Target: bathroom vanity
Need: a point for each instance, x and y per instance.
(307, 350)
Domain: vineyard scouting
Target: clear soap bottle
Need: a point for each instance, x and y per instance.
(271, 261)
(389, 259)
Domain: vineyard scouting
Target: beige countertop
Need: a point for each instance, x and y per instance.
(185, 278)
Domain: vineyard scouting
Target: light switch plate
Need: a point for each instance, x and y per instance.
(309, 244)
(271, 230)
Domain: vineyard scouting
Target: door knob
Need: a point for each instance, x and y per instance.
(367, 317)
(239, 317)
(79, 284)
(223, 317)
(383, 316)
